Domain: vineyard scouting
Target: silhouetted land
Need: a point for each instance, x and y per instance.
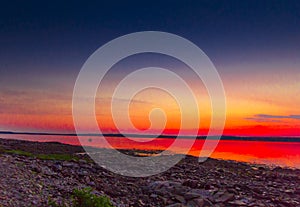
(232, 138)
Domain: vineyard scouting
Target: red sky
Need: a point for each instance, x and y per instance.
(260, 104)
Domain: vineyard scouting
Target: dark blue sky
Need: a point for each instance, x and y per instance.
(255, 46)
(55, 38)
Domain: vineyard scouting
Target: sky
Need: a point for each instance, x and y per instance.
(254, 45)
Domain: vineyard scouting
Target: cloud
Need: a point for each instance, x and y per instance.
(267, 116)
(34, 102)
(262, 119)
(272, 118)
(295, 116)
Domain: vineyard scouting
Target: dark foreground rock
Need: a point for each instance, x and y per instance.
(31, 181)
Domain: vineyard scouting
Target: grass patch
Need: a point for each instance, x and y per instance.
(85, 198)
(63, 157)
(19, 152)
(66, 157)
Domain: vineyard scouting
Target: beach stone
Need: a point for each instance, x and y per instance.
(176, 205)
(192, 195)
(191, 183)
(47, 171)
(35, 168)
(82, 173)
(180, 198)
(201, 192)
(70, 164)
(238, 203)
(165, 186)
(57, 167)
(199, 202)
(225, 197)
(25, 181)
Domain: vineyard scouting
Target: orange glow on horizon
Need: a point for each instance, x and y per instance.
(246, 98)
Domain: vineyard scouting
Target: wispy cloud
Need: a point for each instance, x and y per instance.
(35, 102)
(272, 118)
(257, 119)
(267, 116)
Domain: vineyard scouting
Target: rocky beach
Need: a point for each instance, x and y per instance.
(35, 173)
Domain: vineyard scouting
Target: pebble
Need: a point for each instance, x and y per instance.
(29, 181)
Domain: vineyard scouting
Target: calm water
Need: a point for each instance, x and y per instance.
(271, 153)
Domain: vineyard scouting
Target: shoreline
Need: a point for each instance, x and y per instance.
(28, 178)
(292, 139)
(130, 151)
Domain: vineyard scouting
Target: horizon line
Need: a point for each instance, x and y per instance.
(203, 137)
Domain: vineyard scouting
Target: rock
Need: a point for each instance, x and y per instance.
(199, 202)
(225, 197)
(81, 161)
(203, 193)
(87, 179)
(238, 203)
(290, 191)
(47, 171)
(35, 168)
(176, 205)
(141, 202)
(191, 183)
(69, 164)
(87, 166)
(192, 195)
(179, 198)
(153, 195)
(161, 187)
(57, 167)
(91, 183)
(220, 170)
(83, 173)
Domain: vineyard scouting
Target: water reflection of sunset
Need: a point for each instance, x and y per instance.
(271, 153)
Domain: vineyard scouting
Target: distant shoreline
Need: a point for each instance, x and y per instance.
(228, 138)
